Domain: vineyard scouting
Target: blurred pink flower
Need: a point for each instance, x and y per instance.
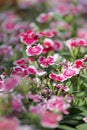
(1, 86)
(82, 33)
(85, 119)
(49, 119)
(58, 104)
(11, 83)
(6, 50)
(9, 124)
(44, 17)
(50, 33)
(58, 45)
(9, 26)
(34, 97)
(16, 104)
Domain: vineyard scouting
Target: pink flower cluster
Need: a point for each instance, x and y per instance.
(30, 38)
(51, 111)
(23, 68)
(68, 71)
(50, 45)
(76, 42)
(16, 103)
(12, 123)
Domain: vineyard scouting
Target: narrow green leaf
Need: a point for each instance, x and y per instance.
(82, 127)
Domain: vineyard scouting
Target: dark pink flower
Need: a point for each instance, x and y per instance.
(17, 71)
(30, 70)
(31, 59)
(35, 50)
(48, 45)
(20, 62)
(56, 77)
(71, 43)
(53, 76)
(82, 42)
(78, 64)
(61, 77)
(29, 37)
(45, 62)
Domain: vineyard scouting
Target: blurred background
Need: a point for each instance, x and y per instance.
(67, 17)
